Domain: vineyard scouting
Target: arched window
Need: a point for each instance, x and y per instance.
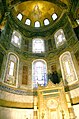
(39, 73)
(54, 16)
(67, 67)
(11, 71)
(19, 16)
(59, 38)
(37, 24)
(16, 39)
(46, 22)
(27, 22)
(38, 45)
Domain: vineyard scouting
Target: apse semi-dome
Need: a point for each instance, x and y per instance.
(37, 13)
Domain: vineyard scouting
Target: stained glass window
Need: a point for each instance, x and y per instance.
(11, 68)
(16, 39)
(68, 69)
(59, 38)
(39, 73)
(11, 74)
(38, 45)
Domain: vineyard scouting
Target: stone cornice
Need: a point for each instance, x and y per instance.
(11, 104)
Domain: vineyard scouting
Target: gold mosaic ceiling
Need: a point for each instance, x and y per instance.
(37, 10)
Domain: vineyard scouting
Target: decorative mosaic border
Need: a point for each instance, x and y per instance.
(16, 91)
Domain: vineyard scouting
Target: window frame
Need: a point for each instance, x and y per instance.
(36, 24)
(42, 43)
(18, 35)
(55, 17)
(29, 22)
(18, 16)
(44, 63)
(65, 74)
(7, 68)
(57, 34)
(46, 20)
